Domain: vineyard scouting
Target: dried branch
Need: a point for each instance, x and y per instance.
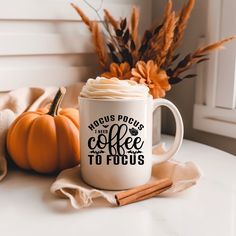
(99, 43)
(214, 46)
(168, 10)
(161, 38)
(123, 38)
(182, 23)
(135, 15)
(84, 18)
(180, 28)
(165, 39)
(199, 56)
(110, 19)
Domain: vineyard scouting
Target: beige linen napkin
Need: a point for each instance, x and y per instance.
(15, 102)
(70, 185)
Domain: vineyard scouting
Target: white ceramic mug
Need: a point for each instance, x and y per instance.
(116, 141)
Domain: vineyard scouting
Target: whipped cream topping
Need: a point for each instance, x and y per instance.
(103, 88)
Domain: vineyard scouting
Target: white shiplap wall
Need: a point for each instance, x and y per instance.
(43, 42)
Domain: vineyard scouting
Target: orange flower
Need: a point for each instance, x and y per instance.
(121, 71)
(152, 76)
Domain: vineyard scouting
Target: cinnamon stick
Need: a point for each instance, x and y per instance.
(142, 192)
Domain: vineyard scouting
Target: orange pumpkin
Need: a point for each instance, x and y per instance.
(46, 142)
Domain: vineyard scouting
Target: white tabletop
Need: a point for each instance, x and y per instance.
(28, 208)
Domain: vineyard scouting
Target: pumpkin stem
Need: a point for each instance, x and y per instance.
(53, 111)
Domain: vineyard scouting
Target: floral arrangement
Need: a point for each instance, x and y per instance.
(151, 60)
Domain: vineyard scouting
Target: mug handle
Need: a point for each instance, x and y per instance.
(178, 134)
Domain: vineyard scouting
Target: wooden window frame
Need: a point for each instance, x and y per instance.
(209, 116)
